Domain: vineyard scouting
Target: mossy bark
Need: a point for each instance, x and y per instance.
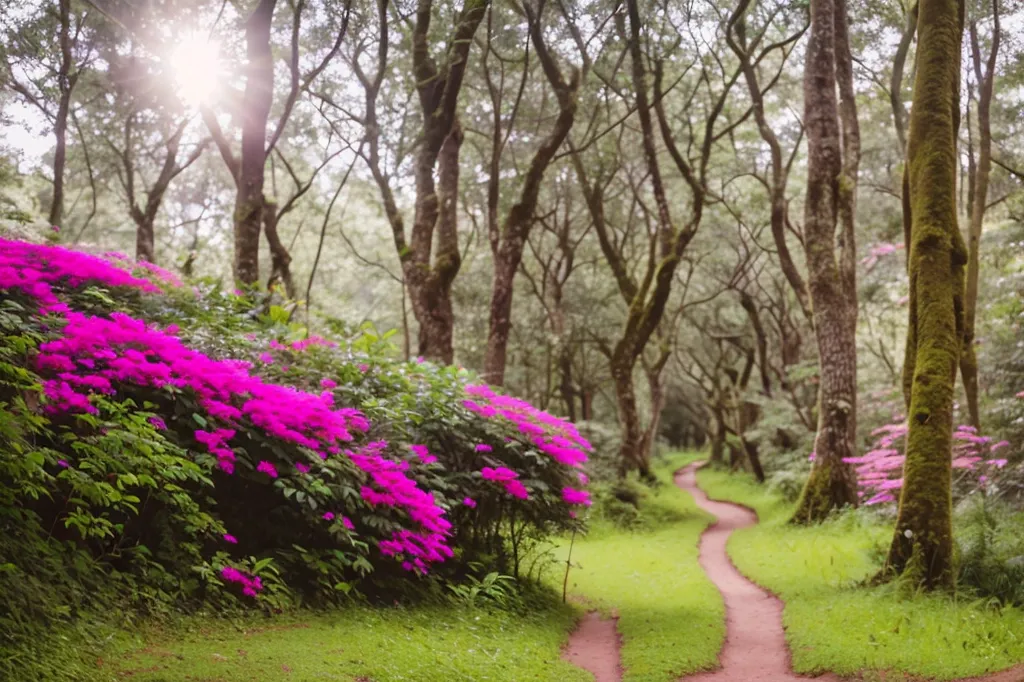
(922, 544)
(832, 160)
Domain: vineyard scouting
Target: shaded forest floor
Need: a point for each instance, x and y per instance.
(668, 617)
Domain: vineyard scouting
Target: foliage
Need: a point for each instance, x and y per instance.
(140, 462)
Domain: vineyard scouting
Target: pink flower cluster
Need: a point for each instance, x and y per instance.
(393, 488)
(250, 585)
(95, 353)
(877, 251)
(552, 435)
(880, 470)
(38, 270)
(508, 480)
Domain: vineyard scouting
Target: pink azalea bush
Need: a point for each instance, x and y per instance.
(285, 436)
(880, 470)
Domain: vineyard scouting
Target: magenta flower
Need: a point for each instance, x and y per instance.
(347, 522)
(469, 502)
(423, 453)
(302, 467)
(158, 423)
(328, 516)
(266, 358)
(62, 463)
(483, 447)
(230, 538)
(267, 468)
(328, 383)
(576, 497)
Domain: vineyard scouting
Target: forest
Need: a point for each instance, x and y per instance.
(613, 340)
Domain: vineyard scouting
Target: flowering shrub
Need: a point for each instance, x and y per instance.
(880, 470)
(307, 451)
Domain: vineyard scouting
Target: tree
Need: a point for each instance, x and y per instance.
(45, 83)
(507, 245)
(254, 211)
(833, 157)
(428, 274)
(923, 541)
(985, 74)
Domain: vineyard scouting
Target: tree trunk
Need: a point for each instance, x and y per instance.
(979, 199)
(520, 218)
(145, 239)
(65, 84)
(717, 434)
(831, 484)
(630, 455)
(256, 101)
(280, 259)
(922, 545)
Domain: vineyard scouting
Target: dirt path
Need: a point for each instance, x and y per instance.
(755, 645)
(594, 646)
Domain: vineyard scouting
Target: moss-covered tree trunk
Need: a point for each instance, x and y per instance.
(832, 159)
(922, 544)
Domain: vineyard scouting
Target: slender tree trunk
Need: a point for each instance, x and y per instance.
(979, 199)
(717, 433)
(256, 101)
(65, 84)
(520, 218)
(923, 540)
(280, 259)
(831, 484)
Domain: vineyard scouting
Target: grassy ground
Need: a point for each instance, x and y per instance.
(671, 617)
(357, 644)
(832, 624)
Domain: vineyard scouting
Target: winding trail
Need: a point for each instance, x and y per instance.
(755, 645)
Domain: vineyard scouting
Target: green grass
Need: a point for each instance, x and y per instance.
(379, 644)
(671, 617)
(833, 623)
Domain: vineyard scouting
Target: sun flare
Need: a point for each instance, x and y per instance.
(195, 64)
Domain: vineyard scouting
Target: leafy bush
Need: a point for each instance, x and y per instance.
(183, 445)
(990, 542)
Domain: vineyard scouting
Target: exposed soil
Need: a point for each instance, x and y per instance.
(594, 646)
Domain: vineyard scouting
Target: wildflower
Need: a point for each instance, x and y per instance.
(302, 467)
(347, 522)
(483, 447)
(158, 423)
(267, 468)
(230, 539)
(266, 358)
(469, 502)
(327, 383)
(328, 516)
(63, 464)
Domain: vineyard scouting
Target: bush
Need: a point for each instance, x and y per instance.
(253, 464)
(990, 543)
